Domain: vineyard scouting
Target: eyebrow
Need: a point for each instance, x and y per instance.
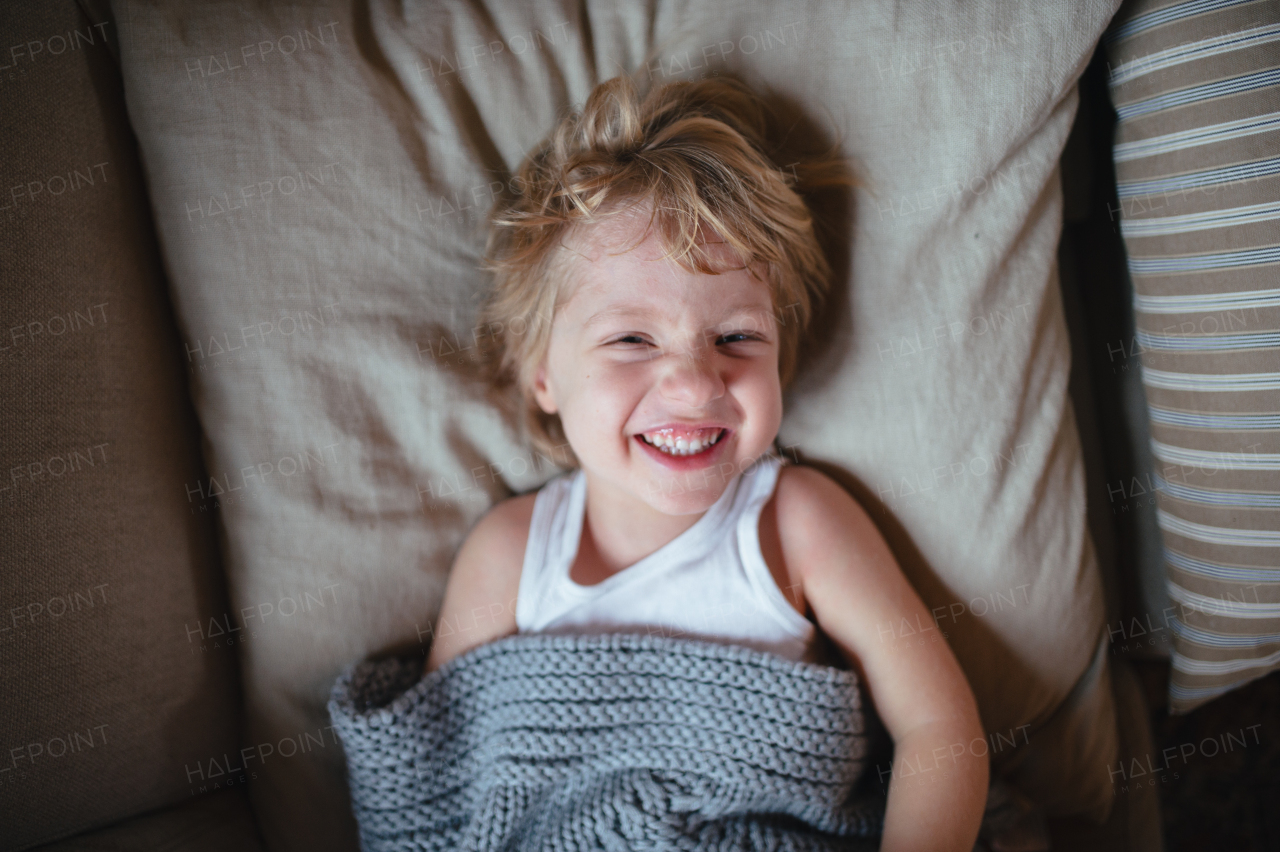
(638, 311)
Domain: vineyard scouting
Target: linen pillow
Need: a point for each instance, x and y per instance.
(320, 174)
(1196, 87)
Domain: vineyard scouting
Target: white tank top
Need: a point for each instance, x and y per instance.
(710, 582)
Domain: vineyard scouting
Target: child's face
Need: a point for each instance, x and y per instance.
(643, 343)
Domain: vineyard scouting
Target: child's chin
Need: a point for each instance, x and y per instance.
(677, 493)
(695, 500)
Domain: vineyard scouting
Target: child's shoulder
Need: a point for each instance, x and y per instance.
(502, 534)
(486, 571)
(809, 505)
(810, 487)
(504, 530)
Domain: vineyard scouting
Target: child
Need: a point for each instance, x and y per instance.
(654, 274)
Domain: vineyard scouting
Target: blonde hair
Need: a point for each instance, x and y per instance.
(695, 153)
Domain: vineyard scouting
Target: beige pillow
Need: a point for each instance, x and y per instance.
(319, 183)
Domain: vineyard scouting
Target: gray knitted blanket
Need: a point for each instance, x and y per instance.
(614, 742)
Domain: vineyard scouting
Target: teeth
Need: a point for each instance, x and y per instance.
(682, 446)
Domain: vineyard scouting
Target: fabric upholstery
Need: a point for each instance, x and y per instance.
(1196, 87)
(1134, 824)
(320, 174)
(216, 822)
(106, 698)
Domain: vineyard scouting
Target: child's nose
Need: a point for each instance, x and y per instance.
(691, 379)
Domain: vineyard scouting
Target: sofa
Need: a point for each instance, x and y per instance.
(229, 474)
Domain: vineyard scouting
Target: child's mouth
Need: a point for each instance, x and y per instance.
(684, 453)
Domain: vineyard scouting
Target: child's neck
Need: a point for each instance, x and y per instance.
(619, 529)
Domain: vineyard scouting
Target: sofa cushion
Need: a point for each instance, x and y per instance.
(217, 822)
(1134, 824)
(108, 696)
(320, 175)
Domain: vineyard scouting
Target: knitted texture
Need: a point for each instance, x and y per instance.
(613, 742)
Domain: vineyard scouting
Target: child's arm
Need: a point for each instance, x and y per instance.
(938, 786)
(480, 597)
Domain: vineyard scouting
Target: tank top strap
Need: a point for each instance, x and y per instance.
(759, 482)
(764, 482)
(764, 479)
(555, 525)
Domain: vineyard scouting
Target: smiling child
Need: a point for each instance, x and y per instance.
(662, 269)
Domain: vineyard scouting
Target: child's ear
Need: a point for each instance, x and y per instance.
(542, 391)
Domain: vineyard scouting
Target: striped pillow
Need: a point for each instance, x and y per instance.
(1197, 157)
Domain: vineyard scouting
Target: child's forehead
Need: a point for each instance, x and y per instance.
(608, 255)
(600, 300)
(632, 229)
(645, 273)
(626, 233)
(621, 258)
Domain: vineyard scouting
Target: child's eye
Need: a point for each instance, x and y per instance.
(733, 337)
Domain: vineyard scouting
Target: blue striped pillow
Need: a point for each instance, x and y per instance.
(1196, 87)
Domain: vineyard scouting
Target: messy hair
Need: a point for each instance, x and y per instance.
(695, 154)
